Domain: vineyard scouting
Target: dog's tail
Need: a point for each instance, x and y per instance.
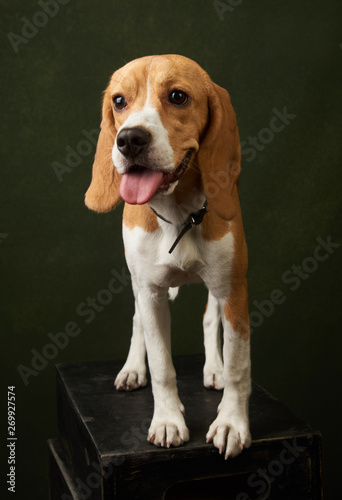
(173, 292)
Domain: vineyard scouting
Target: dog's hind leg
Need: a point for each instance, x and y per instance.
(213, 367)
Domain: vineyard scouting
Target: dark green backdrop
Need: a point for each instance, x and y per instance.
(55, 253)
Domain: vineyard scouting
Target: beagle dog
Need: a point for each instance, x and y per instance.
(169, 147)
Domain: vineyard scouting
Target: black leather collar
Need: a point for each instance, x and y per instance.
(194, 219)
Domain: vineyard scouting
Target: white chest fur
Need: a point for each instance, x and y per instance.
(194, 259)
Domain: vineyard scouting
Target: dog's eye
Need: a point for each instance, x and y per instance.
(178, 97)
(119, 102)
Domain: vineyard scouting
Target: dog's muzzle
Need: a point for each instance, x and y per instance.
(140, 183)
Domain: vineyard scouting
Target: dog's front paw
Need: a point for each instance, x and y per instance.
(229, 435)
(129, 380)
(168, 432)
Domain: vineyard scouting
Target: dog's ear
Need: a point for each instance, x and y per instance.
(219, 155)
(103, 193)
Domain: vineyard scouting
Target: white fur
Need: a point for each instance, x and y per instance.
(153, 271)
(213, 367)
(160, 153)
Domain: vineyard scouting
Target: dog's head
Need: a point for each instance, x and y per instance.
(161, 117)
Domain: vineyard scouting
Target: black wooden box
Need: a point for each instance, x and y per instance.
(102, 451)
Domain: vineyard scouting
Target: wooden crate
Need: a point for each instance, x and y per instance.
(102, 451)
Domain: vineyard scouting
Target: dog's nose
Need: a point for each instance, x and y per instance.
(132, 141)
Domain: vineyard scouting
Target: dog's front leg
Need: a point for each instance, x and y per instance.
(168, 425)
(133, 374)
(230, 430)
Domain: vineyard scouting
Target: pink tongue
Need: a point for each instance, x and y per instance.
(138, 187)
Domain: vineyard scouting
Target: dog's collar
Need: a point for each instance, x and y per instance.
(194, 219)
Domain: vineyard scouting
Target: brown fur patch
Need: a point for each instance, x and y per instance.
(236, 309)
(141, 216)
(213, 227)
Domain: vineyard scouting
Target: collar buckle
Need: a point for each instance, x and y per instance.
(194, 219)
